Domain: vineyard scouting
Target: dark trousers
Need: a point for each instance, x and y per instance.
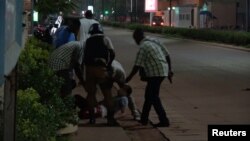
(68, 82)
(152, 98)
(96, 75)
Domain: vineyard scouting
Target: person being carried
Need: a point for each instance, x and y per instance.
(120, 104)
(118, 76)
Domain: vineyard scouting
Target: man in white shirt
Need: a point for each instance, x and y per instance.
(119, 76)
(85, 25)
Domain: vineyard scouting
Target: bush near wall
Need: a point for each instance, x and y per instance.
(41, 112)
(238, 38)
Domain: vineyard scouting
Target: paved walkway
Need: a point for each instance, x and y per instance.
(100, 131)
(128, 129)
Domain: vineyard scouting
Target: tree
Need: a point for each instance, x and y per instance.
(46, 7)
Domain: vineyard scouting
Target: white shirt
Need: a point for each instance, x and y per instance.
(119, 74)
(84, 29)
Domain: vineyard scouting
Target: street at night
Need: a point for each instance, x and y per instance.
(85, 70)
(210, 86)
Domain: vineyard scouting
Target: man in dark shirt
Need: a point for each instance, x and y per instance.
(98, 56)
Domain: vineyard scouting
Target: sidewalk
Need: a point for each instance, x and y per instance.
(128, 130)
(100, 131)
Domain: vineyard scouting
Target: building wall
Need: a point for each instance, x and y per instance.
(242, 14)
(11, 33)
(225, 13)
(27, 5)
(184, 17)
(187, 2)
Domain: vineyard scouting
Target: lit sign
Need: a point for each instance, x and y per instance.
(90, 7)
(151, 5)
(35, 16)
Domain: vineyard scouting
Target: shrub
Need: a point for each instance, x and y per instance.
(34, 72)
(51, 110)
(211, 35)
(34, 120)
(38, 121)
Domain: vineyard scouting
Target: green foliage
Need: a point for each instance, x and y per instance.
(1, 124)
(34, 72)
(62, 110)
(38, 121)
(41, 111)
(34, 120)
(220, 36)
(46, 7)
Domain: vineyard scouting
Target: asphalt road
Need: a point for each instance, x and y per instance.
(210, 86)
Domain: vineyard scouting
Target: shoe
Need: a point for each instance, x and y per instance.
(136, 116)
(162, 124)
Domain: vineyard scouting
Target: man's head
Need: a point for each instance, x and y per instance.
(88, 14)
(138, 35)
(74, 25)
(95, 28)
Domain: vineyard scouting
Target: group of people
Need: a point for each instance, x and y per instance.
(82, 49)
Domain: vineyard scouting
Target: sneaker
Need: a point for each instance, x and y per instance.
(104, 111)
(137, 117)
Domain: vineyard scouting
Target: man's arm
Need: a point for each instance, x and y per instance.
(79, 73)
(133, 72)
(110, 46)
(77, 60)
(170, 73)
(112, 57)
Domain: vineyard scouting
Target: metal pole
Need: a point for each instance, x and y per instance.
(170, 14)
(136, 10)
(32, 12)
(131, 11)
(236, 18)
(131, 6)
(102, 7)
(150, 18)
(247, 15)
(115, 11)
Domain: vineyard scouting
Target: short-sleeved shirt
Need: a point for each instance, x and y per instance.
(152, 57)
(97, 46)
(119, 74)
(66, 56)
(84, 29)
(62, 36)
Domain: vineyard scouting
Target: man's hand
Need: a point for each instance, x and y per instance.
(170, 75)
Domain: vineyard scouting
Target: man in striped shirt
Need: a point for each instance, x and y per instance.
(63, 60)
(154, 59)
